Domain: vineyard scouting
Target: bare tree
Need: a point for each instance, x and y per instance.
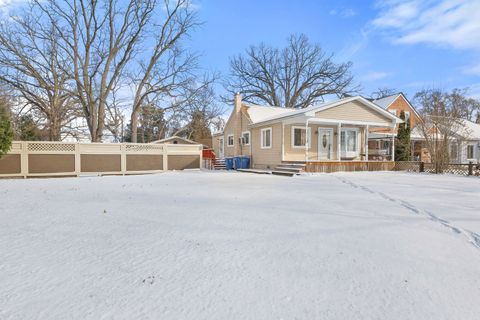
(441, 124)
(99, 38)
(168, 67)
(32, 63)
(296, 76)
(383, 92)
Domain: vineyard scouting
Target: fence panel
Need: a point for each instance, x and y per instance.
(31, 159)
(462, 169)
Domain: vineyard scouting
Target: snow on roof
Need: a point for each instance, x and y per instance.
(386, 101)
(261, 113)
(469, 130)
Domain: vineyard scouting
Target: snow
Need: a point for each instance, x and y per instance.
(261, 113)
(385, 102)
(223, 245)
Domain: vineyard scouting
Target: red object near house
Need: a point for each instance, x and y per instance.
(208, 154)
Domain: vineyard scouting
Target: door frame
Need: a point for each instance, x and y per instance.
(320, 141)
(221, 147)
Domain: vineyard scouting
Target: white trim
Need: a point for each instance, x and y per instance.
(249, 138)
(330, 156)
(473, 151)
(392, 111)
(221, 147)
(292, 137)
(345, 153)
(261, 138)
(310, 111)
(228, 141)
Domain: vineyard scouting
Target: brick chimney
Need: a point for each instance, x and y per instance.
(237, 102)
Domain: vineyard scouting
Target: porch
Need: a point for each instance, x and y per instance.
(338, 142)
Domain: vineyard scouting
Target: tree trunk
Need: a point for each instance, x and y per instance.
(134, 126)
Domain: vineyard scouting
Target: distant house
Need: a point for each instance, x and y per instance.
(380, 140)
(335, 131)
(464, 145)
(175, 140)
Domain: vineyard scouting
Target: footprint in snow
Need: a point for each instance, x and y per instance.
(149, 280)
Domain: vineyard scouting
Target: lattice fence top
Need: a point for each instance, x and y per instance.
(142, 147)
(51, 147)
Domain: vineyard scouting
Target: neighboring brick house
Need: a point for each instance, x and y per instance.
(380, 140)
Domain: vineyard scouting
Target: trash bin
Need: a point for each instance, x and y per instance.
(237, 162)
(229, 163)
(245, 162)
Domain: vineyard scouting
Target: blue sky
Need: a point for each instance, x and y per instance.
(406, 45)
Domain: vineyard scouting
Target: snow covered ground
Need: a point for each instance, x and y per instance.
(200, 245)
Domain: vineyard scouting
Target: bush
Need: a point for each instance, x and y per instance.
(6, 130)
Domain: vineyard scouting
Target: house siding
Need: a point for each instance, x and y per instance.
(353, 111)
(266, 158)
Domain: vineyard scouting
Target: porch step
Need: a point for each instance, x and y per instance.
(289, 169)
(219, 164)
(257, 171)
(284, 173)
(293, 165)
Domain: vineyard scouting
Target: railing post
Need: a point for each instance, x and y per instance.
(422, 166)
(470, 168)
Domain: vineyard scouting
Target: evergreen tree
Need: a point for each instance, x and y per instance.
(27, 129)
(6, 129)
(402, 142)
(198, 128)
(152, 125)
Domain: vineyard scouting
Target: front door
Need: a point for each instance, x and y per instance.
(325, 143)
(220, 148)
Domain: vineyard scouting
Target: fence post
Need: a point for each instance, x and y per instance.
(24, 159)
(422, 166)
(77, 159)
(123, 158)
(470, 168)
(165, 157)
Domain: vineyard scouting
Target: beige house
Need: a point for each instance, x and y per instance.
(334, 132)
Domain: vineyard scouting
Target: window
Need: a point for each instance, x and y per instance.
(453, 151)
(299, 138)
(230, 140)
(470, 149)
(349, 142)
(246, 138)
(266, 138)
(393, 111)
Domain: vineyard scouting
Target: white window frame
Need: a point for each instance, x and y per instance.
(308, 138)
(452, 145)
(243, 138)
(228, 141)
(343, 151)
(473, 151)
(261, 138)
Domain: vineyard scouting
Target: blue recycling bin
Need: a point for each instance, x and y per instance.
(229, 163)
(237, 162)
(245, 162)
